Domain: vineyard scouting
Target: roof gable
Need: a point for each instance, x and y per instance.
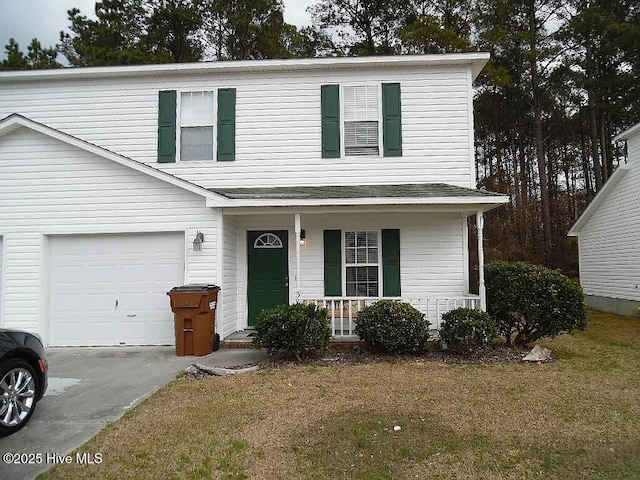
(628, 133)
(16, 121)
(598, 200)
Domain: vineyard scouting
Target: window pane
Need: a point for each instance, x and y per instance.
(361, 102)
(350, 239)
(196, 143)
(372, 239)
(196, 108)
(351, 275)
(372, 254)
(361, 239)
(362, 281)
(350, 255)
(361, 138)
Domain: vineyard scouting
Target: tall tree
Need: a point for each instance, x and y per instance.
(36, 58)
(174, 30)
(246, 29)
(363, 27)
(437, 26)
(114, 38)
(603, 38)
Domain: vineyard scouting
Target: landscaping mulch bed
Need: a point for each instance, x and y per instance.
(358, 354)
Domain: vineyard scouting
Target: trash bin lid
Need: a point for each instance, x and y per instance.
(195, 287)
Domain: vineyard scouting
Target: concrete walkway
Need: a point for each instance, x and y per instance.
(91, 387)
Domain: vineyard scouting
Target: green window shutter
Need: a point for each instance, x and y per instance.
(391, 263)
(226, 124)
(333, 263)
(167, 126)
(391, 120)
(330, 108)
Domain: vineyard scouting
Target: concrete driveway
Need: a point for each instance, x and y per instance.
(90, 387)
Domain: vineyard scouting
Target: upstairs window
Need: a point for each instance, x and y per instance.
(361, 120)
(196, 126)
(191, 124)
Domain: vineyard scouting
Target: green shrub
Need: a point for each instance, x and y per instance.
(530, 302)
(392, 326)
(293, 329)
(466, 329)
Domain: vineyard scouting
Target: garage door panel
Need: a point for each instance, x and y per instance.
(111, 289)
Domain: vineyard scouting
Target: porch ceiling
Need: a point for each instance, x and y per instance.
(349, 195)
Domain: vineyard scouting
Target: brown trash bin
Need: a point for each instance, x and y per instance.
(194, 308)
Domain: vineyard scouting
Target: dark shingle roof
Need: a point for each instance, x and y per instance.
(418, 190)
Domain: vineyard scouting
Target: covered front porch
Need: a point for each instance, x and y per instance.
(311, 245)
(343, 311)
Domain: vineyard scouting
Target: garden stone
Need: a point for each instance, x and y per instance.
(538, 354)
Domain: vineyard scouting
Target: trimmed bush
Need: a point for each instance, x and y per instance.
(530, 302)
(391, 326)
(466, 329)
(293, 329)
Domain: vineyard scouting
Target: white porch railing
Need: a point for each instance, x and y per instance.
(343, 310)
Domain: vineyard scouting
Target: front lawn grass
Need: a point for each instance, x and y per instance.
(577, 418)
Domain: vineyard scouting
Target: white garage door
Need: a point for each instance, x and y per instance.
(112, 289)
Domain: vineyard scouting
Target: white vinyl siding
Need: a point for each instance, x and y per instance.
(63, 190)
(609, 243)
(278, 128)
(361, 113)
(230, 268)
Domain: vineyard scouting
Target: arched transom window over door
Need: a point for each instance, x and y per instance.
(268, 240)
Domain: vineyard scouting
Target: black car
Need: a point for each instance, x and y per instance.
(23, 378)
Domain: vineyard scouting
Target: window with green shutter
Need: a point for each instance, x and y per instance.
(391, 263)
(167, 126)
(333, 263)
(370, 260)
(188, 121)
(226, 124)
(391, 120)
(330, 112)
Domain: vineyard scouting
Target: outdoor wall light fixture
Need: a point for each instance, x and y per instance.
(303, 237)
(198, 241)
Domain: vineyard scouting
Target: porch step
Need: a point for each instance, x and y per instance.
(240, 339)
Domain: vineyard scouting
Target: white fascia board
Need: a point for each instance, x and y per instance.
(483, 203)
(600, 197)
(13, 122)
(475, 61)
(627, 133)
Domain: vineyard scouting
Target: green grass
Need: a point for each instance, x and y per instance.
(577, 418)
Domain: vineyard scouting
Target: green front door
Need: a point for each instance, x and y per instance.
(268, 271)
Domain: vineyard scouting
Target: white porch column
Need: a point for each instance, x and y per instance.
(297, 230)
(481, 290)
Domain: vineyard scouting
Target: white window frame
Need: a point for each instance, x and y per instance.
(345, 265)
(179, 125)
(343, 143)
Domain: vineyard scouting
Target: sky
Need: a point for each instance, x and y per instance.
(44, 19)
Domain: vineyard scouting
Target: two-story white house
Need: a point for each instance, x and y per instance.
(335, 180)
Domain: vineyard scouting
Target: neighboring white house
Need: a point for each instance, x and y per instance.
(337, 180)
(609, 237)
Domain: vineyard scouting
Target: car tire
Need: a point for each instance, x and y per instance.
(18, 393)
